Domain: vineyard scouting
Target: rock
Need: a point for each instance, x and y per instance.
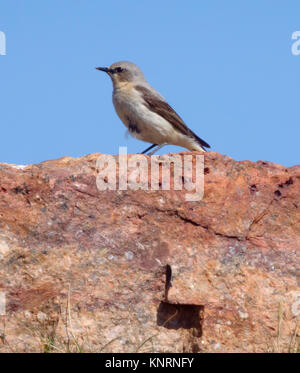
(148, 271)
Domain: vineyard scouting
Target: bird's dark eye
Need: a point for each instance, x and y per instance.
(118, 70)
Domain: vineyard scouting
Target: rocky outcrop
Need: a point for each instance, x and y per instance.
(124, 271)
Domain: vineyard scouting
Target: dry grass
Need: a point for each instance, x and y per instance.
(50, 342)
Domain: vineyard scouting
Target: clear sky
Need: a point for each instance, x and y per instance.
(225, 66)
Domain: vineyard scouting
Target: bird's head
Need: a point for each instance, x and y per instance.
(123, 72)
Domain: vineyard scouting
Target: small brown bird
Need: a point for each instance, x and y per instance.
(145, 113)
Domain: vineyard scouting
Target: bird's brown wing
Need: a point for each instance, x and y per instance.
(163, 109)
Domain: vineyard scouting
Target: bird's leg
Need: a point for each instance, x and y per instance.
(155, 150)
(150, 147)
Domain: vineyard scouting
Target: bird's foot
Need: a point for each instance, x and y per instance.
(155, 150)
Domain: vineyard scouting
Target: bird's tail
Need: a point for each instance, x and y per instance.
(198, 144)
(203, 144)
(198, 148)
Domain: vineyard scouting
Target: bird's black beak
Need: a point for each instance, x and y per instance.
(105, 69)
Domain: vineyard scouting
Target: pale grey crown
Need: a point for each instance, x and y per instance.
(130, 71)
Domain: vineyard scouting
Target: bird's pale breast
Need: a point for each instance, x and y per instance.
(132, 111)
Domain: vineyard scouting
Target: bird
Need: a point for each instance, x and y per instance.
(146, 113)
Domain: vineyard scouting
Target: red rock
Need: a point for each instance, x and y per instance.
(86, 269)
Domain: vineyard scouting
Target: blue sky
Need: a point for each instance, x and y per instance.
(225, 66)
